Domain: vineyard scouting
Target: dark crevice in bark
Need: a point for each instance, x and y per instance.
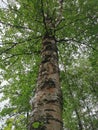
(49, 110)
(51, 101)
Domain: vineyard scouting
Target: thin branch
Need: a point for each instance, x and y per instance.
(59, 18)
(74, 40)
(8, 49)
(15, 26)
(43, 14)
(28, 39)
(14, 61)
(17, 43)
(24, 53)
(71, 22)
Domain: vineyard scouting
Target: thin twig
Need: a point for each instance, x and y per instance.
(15, 26)
(74, 40)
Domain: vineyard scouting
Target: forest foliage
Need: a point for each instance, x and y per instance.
(75, 27)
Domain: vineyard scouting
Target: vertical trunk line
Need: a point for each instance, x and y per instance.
(47, 102)
(80, 125)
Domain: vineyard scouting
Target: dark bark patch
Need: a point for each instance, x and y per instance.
(48, 39)
(48, 84)
(50, 47)
(52, 101)
(49, 110)
(46, 58)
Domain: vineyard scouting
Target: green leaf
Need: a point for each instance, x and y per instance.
(36, 125)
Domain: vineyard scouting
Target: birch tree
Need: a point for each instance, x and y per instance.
(41, 44)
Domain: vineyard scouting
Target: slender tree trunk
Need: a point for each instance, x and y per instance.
(47, 102)
(80, 126)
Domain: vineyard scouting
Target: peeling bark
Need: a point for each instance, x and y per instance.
(47, 102)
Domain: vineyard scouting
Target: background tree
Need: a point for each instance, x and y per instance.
(74, 25)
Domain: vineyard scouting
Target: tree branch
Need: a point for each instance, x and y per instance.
(15, 26)
(24, 53)
(59, 18)
(8, 49)
(17, 43)
(43, 14)
(74, 40)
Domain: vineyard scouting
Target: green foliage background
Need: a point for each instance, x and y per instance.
(77, 41)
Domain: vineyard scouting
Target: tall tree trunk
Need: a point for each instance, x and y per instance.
(47, 102)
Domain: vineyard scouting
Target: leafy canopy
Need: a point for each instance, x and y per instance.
(75, 27)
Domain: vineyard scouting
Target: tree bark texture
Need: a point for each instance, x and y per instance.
(47, 102)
